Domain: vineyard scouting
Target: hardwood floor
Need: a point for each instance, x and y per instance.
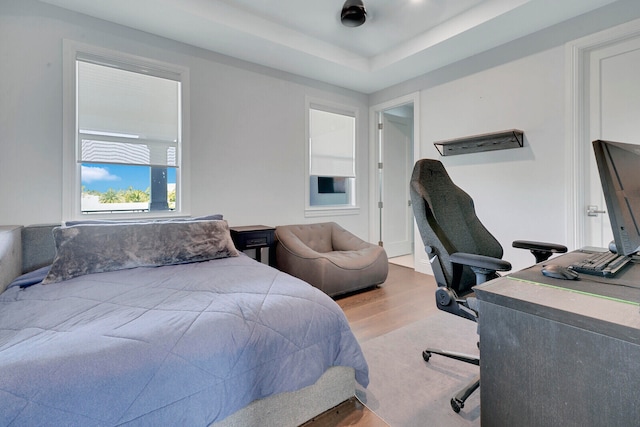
(349, 413)
(405, 297)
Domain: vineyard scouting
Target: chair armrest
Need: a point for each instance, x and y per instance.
(343, 240)
(480, 261)
(484, 267)
(540, 250)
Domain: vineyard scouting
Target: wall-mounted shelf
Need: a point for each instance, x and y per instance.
(512, 138)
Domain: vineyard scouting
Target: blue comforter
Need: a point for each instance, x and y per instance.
(173, 345)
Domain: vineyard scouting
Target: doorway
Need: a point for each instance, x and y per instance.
(393, 155)
(605, 103)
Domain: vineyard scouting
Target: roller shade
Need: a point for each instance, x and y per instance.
(332, 144)
(127, 117)
(151, 154)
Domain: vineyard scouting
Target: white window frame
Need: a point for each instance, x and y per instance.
(71, 168)
(329, 210)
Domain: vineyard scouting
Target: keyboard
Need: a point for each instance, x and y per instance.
(605, 264)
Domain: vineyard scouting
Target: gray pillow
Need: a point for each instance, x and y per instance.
(95, 248)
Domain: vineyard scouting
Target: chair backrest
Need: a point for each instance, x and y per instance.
(317, 237)
(447, 221)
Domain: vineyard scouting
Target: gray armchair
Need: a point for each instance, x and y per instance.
(329, 257)
(462, 252)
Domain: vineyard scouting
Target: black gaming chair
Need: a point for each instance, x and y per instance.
(462, 252)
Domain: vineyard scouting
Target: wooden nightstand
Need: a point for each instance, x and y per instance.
(255, 237)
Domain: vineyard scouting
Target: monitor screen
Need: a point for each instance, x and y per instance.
(619, 168)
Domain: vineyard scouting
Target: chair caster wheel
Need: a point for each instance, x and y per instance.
(426, 355)
(456, 405)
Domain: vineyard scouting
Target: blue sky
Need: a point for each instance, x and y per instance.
(100, 177)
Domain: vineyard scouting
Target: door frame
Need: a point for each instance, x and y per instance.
(397, 154)
(577, 55)
(374, 184)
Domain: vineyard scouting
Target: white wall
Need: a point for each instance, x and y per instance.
(247, 123)
(519, 193)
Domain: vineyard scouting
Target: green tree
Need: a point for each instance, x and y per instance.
(132, 195)
(171, 199)
(111, 196)
(91, 192)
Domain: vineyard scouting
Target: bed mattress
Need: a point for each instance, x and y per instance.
(182, 344)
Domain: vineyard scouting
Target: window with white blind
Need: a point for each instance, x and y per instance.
(331, 159)
(128, 139)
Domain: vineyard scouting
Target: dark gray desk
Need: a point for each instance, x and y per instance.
(559, 353)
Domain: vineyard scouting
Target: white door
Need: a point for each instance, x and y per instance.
(397, 161)
(614, 114)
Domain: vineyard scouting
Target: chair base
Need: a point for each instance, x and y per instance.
(457, 401)
(467, 358)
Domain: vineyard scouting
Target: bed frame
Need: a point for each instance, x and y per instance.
(24, 249)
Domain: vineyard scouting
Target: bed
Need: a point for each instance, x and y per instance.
(138, 324)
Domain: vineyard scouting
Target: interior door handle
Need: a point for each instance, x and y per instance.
(592, 210)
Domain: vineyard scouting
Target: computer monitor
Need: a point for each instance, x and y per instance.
(619, 167)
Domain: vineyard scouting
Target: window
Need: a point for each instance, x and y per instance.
(332, 159)
(126, 154)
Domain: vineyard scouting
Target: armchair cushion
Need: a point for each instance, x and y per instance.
(329, 257)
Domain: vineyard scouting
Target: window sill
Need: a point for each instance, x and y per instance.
(331, 211)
